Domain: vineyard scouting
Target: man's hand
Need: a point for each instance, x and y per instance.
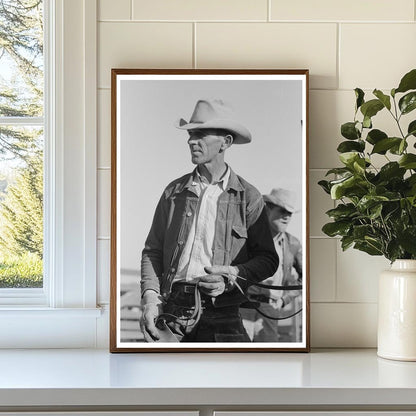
(278, 304)
(151, 305)
(214, 284)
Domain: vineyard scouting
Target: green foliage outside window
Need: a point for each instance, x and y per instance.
(21, 146)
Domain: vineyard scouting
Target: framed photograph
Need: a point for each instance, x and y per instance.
(209, 211)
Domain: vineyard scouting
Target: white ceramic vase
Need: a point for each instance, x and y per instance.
(397, 312)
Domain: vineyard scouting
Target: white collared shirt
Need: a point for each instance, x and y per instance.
(197, 252)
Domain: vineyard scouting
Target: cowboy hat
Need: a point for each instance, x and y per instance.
(282, 198)
(214, 114)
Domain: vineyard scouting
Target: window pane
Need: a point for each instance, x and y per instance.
(21, 207)
(21, 58)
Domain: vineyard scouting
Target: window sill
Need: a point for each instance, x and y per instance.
(37, 327)
(35, 311)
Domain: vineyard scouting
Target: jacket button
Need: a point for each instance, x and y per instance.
(189, 213)
(180, 242)
(173, 270)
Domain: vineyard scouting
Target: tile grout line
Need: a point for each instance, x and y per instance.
(269, 10)
(306, 22)
(336, 271)
(131, 9)
(338, 63)
(194, 62)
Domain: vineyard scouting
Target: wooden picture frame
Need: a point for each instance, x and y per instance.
(149, 151)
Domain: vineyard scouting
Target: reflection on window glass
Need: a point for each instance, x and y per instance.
(21, 143)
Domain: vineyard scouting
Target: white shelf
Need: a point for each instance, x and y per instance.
(57, 378)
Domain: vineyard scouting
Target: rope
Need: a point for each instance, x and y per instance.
(196, 315)
(234, 278)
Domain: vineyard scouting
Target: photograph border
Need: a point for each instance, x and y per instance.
(114, 225)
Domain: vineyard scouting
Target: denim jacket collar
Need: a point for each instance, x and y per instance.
(187, 183)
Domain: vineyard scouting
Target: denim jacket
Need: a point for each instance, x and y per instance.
(242, 235)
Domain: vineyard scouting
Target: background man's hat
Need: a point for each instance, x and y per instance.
(215, 114)
(283, 198)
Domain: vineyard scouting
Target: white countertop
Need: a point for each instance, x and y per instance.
(96, 377)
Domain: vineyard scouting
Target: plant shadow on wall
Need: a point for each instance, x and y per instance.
(376, 210)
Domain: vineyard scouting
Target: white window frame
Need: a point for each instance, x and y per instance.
(64, 313)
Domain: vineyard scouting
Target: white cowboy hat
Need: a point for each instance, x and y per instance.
(282, 198)
(214, 114)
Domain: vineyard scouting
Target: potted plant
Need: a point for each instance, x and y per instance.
(376, 209)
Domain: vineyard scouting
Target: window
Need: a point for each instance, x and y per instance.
(22, 128)
(63, 313)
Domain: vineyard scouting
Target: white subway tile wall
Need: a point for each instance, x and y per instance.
(270, 45)
(337, 325)
(142, 45)
(323, 269)
(104, 128)
(357, 275)
(366, 48)
(200, 10)
(103, 271)
(345, 44)
(114, 10)
(104, 202)
(356, 10)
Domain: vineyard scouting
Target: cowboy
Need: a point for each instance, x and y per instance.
(281, 205)
(209, 233)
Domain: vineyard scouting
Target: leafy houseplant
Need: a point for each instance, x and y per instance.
(376, 212)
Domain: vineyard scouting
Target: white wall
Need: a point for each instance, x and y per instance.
(345, 44)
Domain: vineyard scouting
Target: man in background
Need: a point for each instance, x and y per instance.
(280, 204)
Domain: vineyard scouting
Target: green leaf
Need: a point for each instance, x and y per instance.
(385, 99)
(325, 186)
(350, 187)
(336, 228)
(374, 136)
(369, 201)
(393, 92)
(346, 242)
(350, 131)
(371, 108)
(383, 145)
(338, 171)
(359, 232)
(367, 122)
(359, 95)
(391, 170)
(408, 161)
(399, 148)
(348, 158)
(368, 248)
(393, 250)
(407, 239)
(411, 130)
(408, 102)
(338, 189)
(350, 146)
(359, 166)
(342, 211)
(408, 82)
(375, 211)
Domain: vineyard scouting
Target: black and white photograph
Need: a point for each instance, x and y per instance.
(209, 242)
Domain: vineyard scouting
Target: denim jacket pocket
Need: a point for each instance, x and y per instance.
(240, 231)
(238, 252)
